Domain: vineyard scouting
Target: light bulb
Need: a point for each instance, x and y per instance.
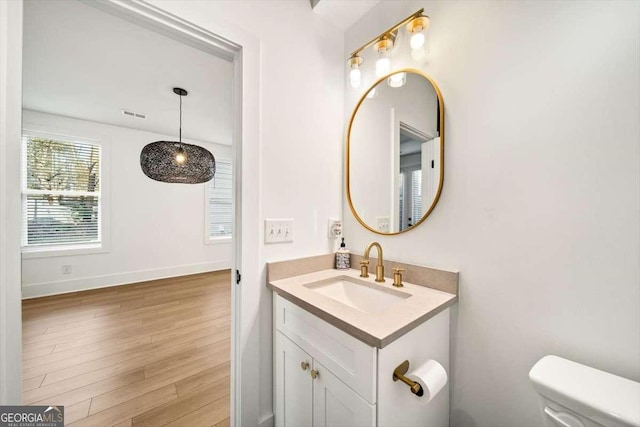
(372, 93)
(354, 77)
(383, 67)
(181, 157)
(397, 80)
(417, 41)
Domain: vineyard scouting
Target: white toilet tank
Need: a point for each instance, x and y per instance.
(575, 395)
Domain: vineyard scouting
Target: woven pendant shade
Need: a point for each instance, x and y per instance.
(158, 162)
(176, 161)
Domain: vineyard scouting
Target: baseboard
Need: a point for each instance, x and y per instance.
(266, 421)
(83, 284)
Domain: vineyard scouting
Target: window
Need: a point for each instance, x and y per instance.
(220, 203)
(61, 202)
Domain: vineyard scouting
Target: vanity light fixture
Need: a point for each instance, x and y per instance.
(354, 74)
(176, 161)
(383, 46)
(415, 25)
(397, 80)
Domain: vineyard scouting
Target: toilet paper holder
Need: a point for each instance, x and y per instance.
(399, 374)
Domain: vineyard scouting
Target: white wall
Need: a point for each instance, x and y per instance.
(301, 133)
(540, 210)
(155, 229)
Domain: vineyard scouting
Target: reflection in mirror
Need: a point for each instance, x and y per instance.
(394, 152)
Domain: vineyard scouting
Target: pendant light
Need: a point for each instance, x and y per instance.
(176, 161)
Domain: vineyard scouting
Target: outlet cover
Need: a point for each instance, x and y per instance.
(335, 228)
(278, 230)
(382, 223)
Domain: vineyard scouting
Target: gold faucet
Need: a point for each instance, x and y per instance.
(364, 265)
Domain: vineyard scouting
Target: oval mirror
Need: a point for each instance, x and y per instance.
(395, 152)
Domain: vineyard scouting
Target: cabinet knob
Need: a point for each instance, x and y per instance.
(314, 374)
(304, 365)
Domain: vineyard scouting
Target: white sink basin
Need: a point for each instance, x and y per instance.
(359, 294)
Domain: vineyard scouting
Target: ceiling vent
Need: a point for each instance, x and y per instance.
(134, 114)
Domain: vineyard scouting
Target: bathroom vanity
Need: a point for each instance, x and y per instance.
(338, 339)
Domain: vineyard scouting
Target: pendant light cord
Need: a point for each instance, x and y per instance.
(180, 131)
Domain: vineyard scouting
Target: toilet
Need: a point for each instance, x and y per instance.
(575, 395)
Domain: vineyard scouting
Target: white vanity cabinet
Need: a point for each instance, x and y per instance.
(293, 383)
(343, 391)
(325, 377)
(303, 400)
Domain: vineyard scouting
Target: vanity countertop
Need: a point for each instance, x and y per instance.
(377, 329)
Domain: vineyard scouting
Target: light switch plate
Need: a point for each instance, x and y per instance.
(278, 230)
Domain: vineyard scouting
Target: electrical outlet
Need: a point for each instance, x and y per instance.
(382, 223)
(278, 230)
(335, 228)
(66, 269)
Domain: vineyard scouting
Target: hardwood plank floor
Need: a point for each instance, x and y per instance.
(147, 354)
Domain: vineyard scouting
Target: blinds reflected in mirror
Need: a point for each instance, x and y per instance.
(410, 206)
(416, 195)
(60, 192)
(220, 201)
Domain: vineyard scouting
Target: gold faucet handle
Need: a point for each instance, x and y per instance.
(364, 268)
(397, 277)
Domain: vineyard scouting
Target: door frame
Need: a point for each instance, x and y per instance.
(10, 207)
(218, 37)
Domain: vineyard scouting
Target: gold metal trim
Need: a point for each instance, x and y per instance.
(355, 61)
(386, 42)
(418, 24)
(388, 31)
(348, 156)
(399, 374)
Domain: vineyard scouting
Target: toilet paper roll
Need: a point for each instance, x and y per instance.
(432, 377)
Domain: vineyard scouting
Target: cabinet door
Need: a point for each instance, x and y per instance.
(294, 385)
(336, 405)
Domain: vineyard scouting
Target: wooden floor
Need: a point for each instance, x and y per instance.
(148, 354)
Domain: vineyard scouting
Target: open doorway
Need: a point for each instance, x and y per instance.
(129, 280)
(417, 174)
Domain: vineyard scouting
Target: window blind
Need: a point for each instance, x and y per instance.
(416, 195)
(221, 201)
(60, 192)
(401, 203)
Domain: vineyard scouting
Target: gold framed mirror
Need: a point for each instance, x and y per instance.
(395, 152)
